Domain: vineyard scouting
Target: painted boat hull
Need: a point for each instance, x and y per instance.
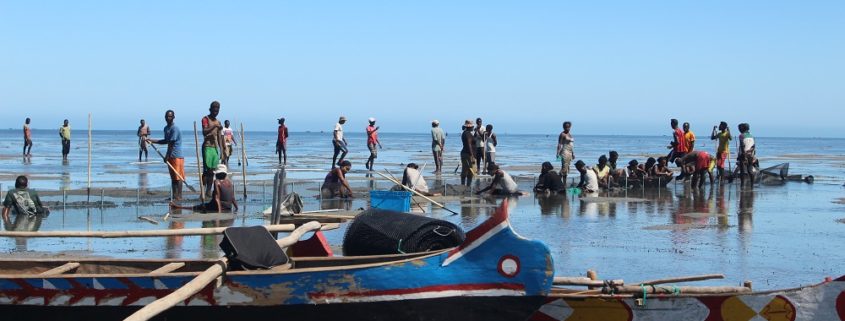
(823, 302)
(462, 308)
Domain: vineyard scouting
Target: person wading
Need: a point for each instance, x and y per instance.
(27, 138)
(723, 150)
(438, 145)
(64, 133)
(468, 169)
(143, 133)
(212, 145)
(173, 140)
(229, 140)
(372, 141)
(282, 142)
(478, 136)
(339, 142)
(565, 150)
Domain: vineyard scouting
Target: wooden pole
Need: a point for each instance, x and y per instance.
(584, 281)
(203, 279)
(417, 193)
(243, 157)
(148, 233)
(684, 279)
(89, 157)
(199, 163)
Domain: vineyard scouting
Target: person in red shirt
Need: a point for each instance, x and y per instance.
(678, 145)
(282, 142)
(372, 141)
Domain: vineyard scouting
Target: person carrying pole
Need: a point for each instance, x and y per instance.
(173, 157)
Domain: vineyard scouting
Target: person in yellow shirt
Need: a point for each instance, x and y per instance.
(723, 150)
(689, 137)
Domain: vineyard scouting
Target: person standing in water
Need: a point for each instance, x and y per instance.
(64, 133)
(27, 138)
(228, 139)
(723, 150)
(143, 133)
(438, 142)
(565, 150)
(689, 138)
(282, 142)
(339, 142)
(173, 157)
(372, 141)
(212, 132)
(468, 169)
(490, 143)
(478, 136)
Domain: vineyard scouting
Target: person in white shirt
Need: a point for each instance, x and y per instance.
(339, 142)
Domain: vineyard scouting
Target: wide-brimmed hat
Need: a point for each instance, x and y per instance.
(221, 169)
(468, 123)
(436, 122)
(371, 119)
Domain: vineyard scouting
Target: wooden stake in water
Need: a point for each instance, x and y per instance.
(199, 163)
(89, 157)
(243, 157)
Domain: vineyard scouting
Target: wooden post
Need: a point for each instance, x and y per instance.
(199, 163)
(593, 276)
(89, 157)
(243, 157)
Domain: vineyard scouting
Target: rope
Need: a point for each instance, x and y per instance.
(645, 293)
(399, 247)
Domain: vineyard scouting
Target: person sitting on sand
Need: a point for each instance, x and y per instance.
(696, 164)
(412, 178)
(661, 170)
(589, 181)
(502, 184)
(549, 181)
(602, 170)
(634, 171)
(222, 195)
(335, 183)
(22, 200)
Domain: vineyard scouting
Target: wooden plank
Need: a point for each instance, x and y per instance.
(61, 269)
(151, 233)
(170, 267)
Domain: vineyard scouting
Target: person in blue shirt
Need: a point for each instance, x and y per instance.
(173, 157)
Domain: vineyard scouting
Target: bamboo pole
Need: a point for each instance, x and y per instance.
(650, 289)
(243, 157)
(199, 163)
(89, 157)
(417, 193)
(148, 233)
(684, 279)
(203, 279)
(584, 281)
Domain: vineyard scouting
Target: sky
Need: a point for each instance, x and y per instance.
(610, 67)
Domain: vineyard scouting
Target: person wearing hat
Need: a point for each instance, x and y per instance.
(222, 195)
(438, 142)
(282, 142)
(339, 142)
(372, 141)
(468, 169)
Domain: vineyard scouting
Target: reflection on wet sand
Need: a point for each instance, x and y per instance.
(746, 210)
(173, 244)
(23, 223)
(554, 204)
(210, 243)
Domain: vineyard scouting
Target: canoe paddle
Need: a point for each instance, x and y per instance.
(172, 168)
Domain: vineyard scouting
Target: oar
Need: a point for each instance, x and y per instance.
(172, 168)
(203, 279)
(417, 193)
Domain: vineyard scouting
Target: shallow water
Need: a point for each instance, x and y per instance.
(775, 235)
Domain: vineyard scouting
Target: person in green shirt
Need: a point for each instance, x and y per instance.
(64, 133)
(22, 200)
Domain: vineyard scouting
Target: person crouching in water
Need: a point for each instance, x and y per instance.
(549, 181)
(413, 179)
(589, 183)
(222, 194)
(696, 164)
(502, 184)
(335, 184)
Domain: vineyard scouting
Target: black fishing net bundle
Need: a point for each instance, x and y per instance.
(376, 232)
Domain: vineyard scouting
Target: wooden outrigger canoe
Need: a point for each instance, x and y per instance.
(823, 301)
(494, 275)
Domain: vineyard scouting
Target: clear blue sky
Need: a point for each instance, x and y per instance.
(611, 67)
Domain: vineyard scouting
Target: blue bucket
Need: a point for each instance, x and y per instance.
(390, 200)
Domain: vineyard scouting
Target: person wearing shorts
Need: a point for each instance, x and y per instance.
(173, 157)
(212, 145)
(372, 141)
(339, 142)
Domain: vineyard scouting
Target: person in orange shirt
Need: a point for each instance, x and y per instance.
(689, 137)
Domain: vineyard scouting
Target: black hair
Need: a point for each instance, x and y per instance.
(602, 159)
(579, 163)
(345, 163)
(633, 162)
(723, 124)
(21, 182)
(220, 175)
(492, 167)
(478, 119)
(214, 104)
(674, 122)
(613, 154)
(489, 127)
(171, 112)
(413, 165)
(567, 123)
(547, 166)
